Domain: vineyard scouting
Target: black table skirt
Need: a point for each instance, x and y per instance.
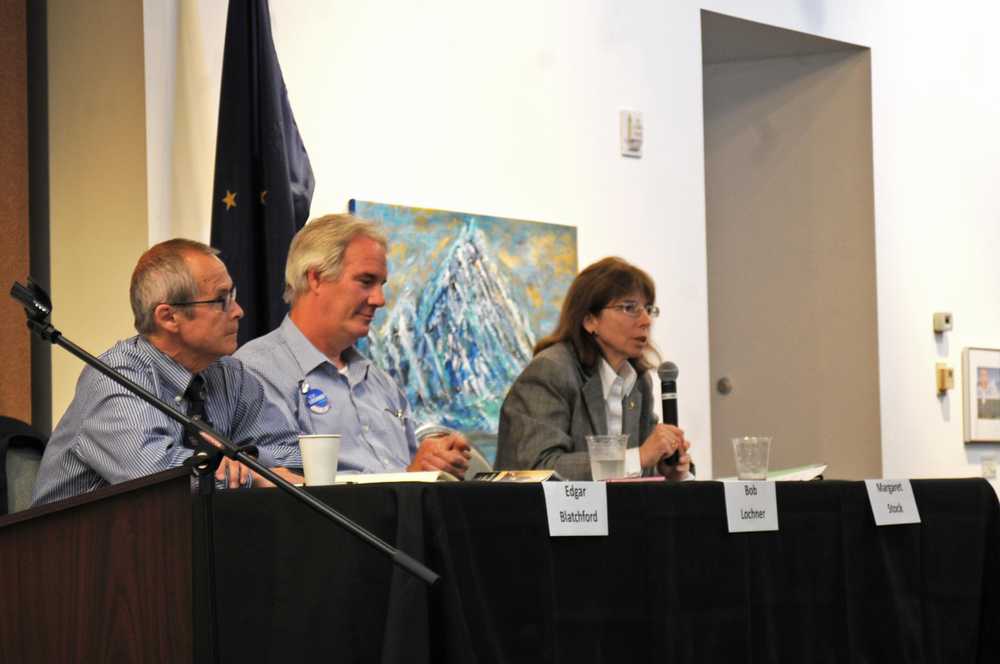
(668, 584)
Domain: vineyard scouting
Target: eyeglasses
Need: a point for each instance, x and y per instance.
(225, 301)
(634, 309)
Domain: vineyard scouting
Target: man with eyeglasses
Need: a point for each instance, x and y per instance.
(187, 317)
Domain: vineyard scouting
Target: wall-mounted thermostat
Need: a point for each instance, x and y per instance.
(942, 321)
(631, 132)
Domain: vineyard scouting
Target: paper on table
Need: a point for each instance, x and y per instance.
(516, 476)
(420, 476)
(796, 474)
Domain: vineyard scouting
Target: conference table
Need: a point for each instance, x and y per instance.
(252, 576)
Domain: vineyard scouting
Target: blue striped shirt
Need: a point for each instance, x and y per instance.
(109, 435)
(363, 403)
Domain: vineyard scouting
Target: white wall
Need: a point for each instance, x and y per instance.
(511, 109)
(184, 43)
(937, 224)
(160, 51)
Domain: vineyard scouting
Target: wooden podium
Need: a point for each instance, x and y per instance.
(107, 576)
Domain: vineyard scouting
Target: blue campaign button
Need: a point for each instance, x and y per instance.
(317, 401)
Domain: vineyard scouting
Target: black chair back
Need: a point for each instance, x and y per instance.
(20, 453)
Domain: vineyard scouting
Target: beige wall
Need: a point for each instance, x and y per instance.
(97, 161)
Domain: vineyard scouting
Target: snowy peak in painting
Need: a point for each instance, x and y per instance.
(457, 346)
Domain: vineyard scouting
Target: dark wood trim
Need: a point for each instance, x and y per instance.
(15, 342)
(93, 496)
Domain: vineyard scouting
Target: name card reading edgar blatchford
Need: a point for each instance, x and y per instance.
(576, 508)
(751, 506)
(892, 502)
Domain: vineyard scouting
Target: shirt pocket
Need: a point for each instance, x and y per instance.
(391, 420)
(389, 431)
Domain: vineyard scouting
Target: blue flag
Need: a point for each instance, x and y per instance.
(263, 179)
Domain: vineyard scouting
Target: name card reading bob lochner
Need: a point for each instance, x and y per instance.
(576, 508)
(751, 506)
(892, 502)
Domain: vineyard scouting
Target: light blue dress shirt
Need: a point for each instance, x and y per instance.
(109, 435)
(361, 403)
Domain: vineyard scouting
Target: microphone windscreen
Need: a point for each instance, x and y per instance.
(667, 371)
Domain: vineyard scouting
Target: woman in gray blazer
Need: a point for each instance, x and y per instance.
(590, 376)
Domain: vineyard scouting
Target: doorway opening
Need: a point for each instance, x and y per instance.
(790, 229)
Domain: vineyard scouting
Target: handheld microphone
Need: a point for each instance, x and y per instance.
(668, 389)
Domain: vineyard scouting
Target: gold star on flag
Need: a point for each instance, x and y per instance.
(263, 197)
(229, 199)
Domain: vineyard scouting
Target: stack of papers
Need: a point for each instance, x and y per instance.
(517, 476)
(797, 474)
(374, 478)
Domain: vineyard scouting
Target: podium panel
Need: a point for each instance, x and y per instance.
(104, 577)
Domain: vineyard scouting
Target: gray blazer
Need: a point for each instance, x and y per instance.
(553, 404)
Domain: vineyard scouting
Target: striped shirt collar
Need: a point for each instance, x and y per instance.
(309, 357)
(175, 377)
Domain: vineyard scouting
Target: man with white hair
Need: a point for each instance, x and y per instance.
(187, 317)
(334, 275)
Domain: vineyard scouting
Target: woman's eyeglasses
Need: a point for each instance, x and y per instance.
(634, 309)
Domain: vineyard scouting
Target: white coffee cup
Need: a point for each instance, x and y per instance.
(319, 457)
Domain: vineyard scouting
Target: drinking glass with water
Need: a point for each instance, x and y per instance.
(752, 454)
(607, 455)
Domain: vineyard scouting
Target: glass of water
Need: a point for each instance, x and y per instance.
(607, 455)
(751, 454)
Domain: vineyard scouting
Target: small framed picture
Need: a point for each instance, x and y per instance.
(981, 390)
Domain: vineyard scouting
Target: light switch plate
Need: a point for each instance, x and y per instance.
(631, 133)
(945, 377)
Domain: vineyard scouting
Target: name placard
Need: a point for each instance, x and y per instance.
(892, 502)
(576, 508)
(751, 506)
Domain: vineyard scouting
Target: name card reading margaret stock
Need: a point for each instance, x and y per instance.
(751, 506)
(576, 508)
(892, 502)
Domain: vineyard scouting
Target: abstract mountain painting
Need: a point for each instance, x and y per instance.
(467, 298)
